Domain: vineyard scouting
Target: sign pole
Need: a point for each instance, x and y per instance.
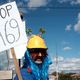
(16, 64)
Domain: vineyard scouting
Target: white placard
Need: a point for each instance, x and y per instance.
(12, 32)
(20, 50)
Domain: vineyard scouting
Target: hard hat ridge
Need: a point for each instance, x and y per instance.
(36, 41)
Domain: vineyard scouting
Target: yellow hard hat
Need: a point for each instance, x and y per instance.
(35, 41)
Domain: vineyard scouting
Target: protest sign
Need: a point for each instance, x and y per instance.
(20, 50)
(11, 31)
(11, 27)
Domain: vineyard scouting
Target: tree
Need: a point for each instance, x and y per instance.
(42, 31)
(28, 31)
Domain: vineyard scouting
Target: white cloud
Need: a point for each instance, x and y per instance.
(77, 25)
(78, 16)
(60, 58)
(66, 64)
(22, 10)
(63, 1)
(67, 48)
(68, 27)
(73, 60)
(75, 2)
(37, 3)
(72, 2)
(32, 4)
(65, 43)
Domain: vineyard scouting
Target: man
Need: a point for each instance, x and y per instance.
(36, 61)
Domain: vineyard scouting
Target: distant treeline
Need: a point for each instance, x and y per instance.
(67, 76)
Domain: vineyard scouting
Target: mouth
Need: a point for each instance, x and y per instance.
(38, 61)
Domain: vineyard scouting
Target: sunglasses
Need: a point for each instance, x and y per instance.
(36, 51)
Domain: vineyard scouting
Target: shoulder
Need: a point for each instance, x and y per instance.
(24, 71)
(26, 75)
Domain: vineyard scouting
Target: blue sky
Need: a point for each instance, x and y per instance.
(61, 20)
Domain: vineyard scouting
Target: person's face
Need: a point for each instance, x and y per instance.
(38, 56)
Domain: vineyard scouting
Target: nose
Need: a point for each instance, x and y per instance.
(40, 54)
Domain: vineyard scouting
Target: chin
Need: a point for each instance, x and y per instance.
(38, 62)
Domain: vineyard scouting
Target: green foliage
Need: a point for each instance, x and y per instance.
(42, 31)
(65, 76)
(28, 31)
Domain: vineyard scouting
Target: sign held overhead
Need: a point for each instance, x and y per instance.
(11, 27)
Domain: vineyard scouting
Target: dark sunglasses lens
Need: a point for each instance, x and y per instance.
(42, 51)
